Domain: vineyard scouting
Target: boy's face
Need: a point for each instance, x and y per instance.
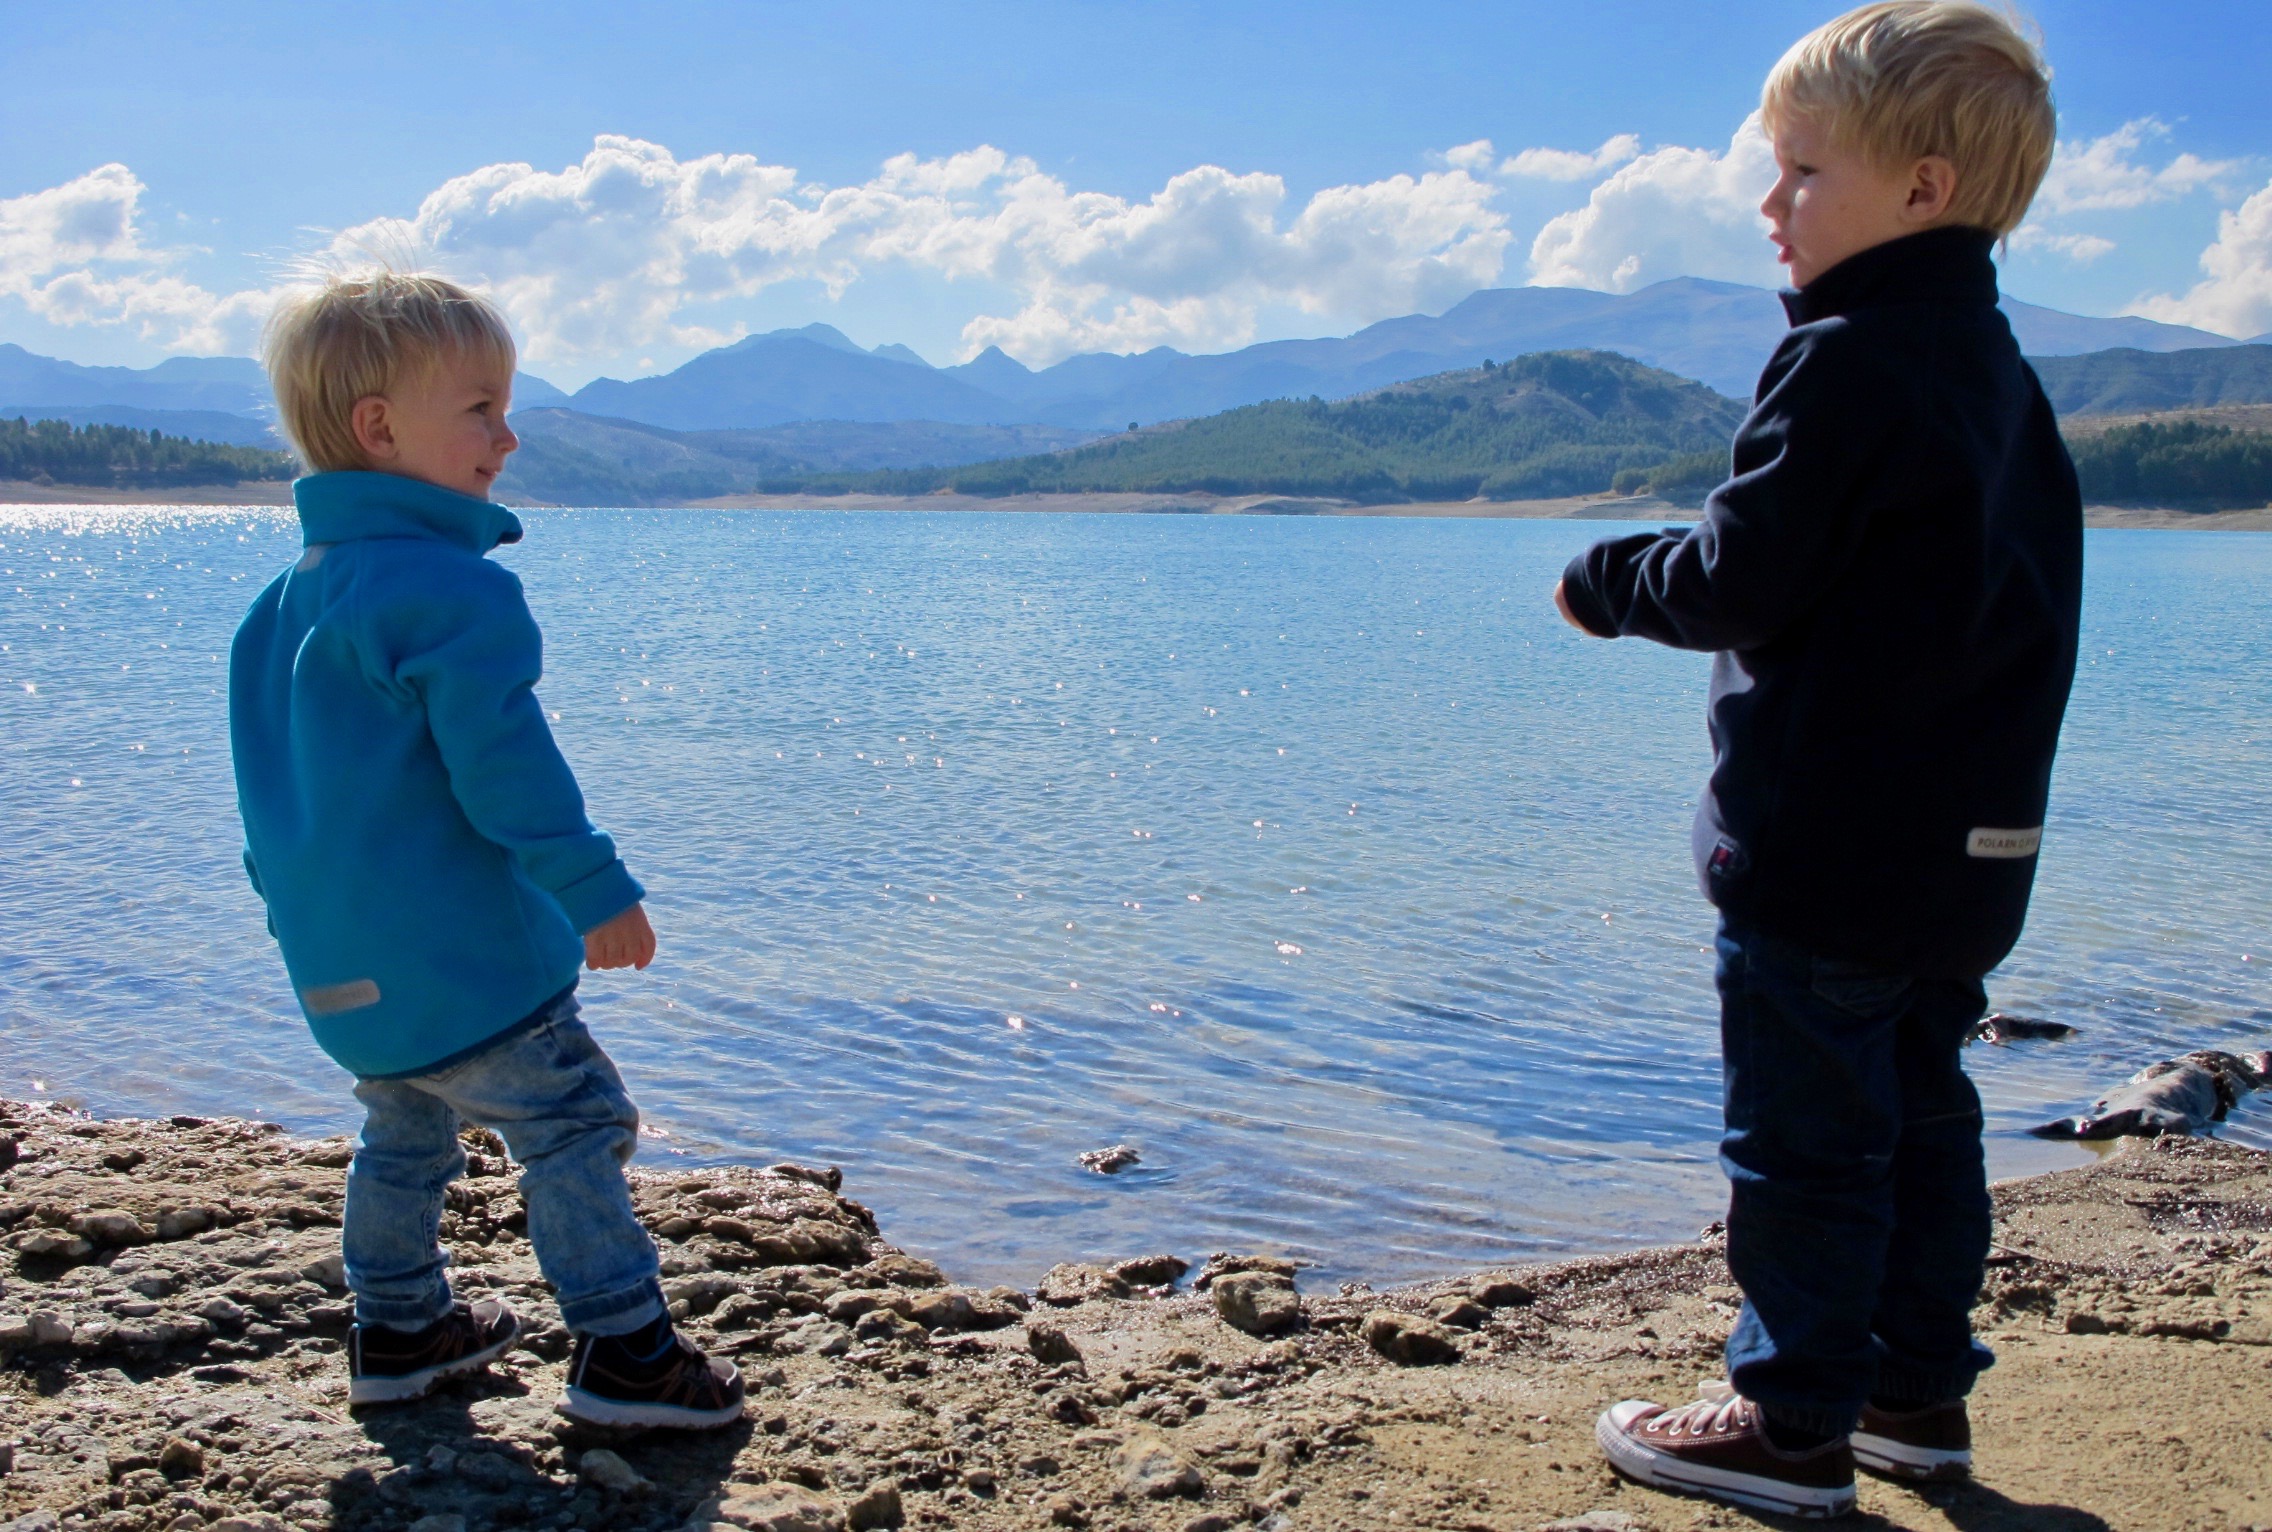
(1829, 202)
(444, 424)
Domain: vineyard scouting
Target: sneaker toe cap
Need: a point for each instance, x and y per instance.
(1620, 1416)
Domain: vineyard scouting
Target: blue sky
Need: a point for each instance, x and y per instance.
(1199, 175)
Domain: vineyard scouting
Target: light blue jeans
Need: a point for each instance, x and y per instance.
(561, 1108)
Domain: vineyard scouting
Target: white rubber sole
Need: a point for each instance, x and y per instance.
(1882, 1454)
(593, 1410)
(417, 1385)
(1660, 1471)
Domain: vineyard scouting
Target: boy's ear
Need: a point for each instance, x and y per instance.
(1932, 190)
(370, 424)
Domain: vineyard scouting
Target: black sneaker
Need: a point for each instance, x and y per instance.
(388, 1366)
(1719, 1448)
(1932, 1443)
(650, 1377)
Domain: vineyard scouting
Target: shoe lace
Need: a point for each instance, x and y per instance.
(1705, 1417)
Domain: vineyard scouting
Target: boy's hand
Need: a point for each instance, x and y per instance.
(623, 941)
(1562, 605)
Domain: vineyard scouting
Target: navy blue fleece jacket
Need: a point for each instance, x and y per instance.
(1891, 584)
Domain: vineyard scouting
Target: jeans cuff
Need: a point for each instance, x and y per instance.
(616, 1313)
(1822, 1420)
(404, 1313)
(1922, 1386)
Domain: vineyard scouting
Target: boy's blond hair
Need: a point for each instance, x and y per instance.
(361, 334)
(1904, 79)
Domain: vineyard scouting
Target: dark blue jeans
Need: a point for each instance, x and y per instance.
(1858, 1216)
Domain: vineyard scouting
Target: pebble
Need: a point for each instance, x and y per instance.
(181, 1457)
(1108, 1162)
(1152, 1470)
(1458, 1312)
(878, 1508)
(1410, 1341)
(1151, 1270)
(766, 1508)
(1074, 1282)
(605, 1470)
(1258, 1302)
(1050, 1345)
(1500, 1293)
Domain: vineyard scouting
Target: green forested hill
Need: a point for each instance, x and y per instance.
(2126, 382)
(1555, 423)
(55, 451)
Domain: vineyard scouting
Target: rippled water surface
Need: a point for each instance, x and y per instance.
(1316, 859)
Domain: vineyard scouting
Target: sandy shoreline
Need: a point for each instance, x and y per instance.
(1577, 508)
(171, 1315)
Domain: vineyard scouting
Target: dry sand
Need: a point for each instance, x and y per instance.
(171, 1320)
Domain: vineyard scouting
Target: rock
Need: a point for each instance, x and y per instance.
(1257, 1302)
(1222, 1264)
(123, 1160)
(110, 1227)
(15, 1332)
(54, 1245)
(7, 1457)
(980, 1481)
(888, 1325)
(225, 1312)
(1152, 1470)
(1500, 1293)
(767, 1508)
(820, 1337)
(262, 1521)
(1598, 1521)
(180, 1223)
(830, 1179)
(49, 1329)
(1408, 1340)
(181, 1457)
(327, 1271)
(1151, 1270)
(1073, 1282)
(1458, 1312)
(32, 1521)
(907, 1271)
(941, 1311)
(1010, 1298)
(1065, 1511)
(1051, 1346)
(440, 1521)
(602, 1469)
(1110, 1162)
(878, 1507)
(1067, 1405)
(1209, 1521)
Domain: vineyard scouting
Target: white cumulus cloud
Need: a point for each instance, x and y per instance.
(1571, 164)
(2079, 248)
(74, 254)
(1672, 212)
(2105, 174)
(608, 255)
(2234, 296)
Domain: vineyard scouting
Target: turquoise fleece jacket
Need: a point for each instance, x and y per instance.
(420, 843)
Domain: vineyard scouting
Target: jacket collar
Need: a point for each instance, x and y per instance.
(1950, 265)
(340, 507)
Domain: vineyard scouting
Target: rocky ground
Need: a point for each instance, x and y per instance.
(171, 1320)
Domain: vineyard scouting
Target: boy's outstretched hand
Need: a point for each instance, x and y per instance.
(623, 941)
(1562, 605)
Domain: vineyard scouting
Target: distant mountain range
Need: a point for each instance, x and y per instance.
(1718, 332)
(570, 458)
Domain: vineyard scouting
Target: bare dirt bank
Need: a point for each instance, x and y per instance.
(171, 1318)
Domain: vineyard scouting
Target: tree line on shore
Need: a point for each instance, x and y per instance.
(125, 457)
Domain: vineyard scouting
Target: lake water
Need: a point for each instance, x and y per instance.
(1314, 858)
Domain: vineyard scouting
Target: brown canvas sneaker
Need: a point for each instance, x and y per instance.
(388, 1366)
(1717, 1448)
(1932, 1443)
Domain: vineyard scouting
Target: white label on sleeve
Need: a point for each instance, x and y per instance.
(2009, 844)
